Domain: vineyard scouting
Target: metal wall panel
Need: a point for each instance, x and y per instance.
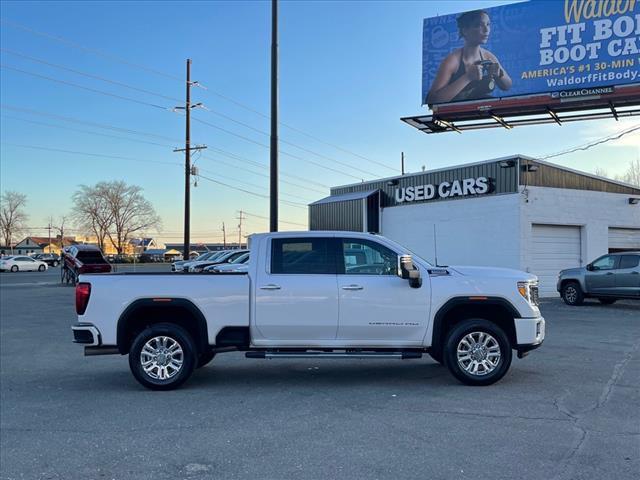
(555, 177)
(347, 216)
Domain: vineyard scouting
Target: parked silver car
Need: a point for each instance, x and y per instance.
(608, 278)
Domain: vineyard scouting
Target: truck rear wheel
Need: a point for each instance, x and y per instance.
(163, 356)
(477, 352)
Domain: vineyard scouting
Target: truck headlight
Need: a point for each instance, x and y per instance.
(529, 291)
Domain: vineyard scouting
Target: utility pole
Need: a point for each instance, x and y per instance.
(187, 162)
(49, 228)
(273, 175)
(224, 237)
(402, 162)
(240, 218)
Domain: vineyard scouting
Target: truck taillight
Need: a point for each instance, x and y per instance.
(83, 292)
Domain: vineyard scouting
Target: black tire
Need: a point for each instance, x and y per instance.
(41, 268)
(500, 341)
(437, 356)
(15, 268)
(55, 263)
(189, 356)
(607, 301)
(572, 294)
(205, 358)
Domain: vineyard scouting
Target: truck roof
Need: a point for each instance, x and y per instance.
(312, 233)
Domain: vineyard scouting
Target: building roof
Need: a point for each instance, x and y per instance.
(516, 156)
(345, 196)
(44, 241)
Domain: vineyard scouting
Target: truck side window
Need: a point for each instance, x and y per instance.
(629, 261)
(362, 257)
(605, 263)
(302, 255)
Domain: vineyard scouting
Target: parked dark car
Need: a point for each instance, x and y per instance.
(79, 259)
(608, 278)
(51, 259)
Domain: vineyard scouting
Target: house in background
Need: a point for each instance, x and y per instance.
(33, 245)
(141, 245)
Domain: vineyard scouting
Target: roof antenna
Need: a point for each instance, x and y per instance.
(435, 245)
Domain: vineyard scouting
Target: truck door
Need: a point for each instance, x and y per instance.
(375, 303)
(296, 299)
(628, 276)
(601, 277)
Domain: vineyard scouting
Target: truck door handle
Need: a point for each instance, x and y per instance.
(353, 287)
(271, 286)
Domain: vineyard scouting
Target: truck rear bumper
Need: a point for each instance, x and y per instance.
(86, 333)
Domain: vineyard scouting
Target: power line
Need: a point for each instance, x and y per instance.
(73, 152)
(255, 142)
(151, 135)
(93, 90)
(249, 192)
(88, 75)
(589, 145)
(89, 50)
(102, 92)
(267, 218)
(51, 125)
(174, 77)
(85, 122)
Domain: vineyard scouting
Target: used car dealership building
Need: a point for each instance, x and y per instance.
(514, 212)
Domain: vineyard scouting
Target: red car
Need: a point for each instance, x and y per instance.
(79, 259)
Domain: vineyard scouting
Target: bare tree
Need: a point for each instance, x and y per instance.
(130, 210)
(59, 226)
(92, 213)
(13, 217)
(632, 175)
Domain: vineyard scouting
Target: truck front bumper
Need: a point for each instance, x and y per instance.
(530, 334)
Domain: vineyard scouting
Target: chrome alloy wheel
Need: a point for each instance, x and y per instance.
(161, 357)
(478, 353)
(570, 294)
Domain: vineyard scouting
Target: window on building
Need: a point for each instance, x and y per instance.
(302, 255)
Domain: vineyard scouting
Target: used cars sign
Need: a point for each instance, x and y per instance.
(457, 188)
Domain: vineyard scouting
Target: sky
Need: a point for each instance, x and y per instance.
(348, 71)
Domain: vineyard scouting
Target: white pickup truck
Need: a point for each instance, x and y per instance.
(313, 295)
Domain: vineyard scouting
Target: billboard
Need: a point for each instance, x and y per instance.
(529, 48)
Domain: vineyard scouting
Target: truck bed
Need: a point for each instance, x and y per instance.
(223, 299)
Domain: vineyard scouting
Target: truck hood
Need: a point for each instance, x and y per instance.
(493, 272)
(572, 271)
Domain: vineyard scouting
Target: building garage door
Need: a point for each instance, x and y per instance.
(624, 239)
(554, 248)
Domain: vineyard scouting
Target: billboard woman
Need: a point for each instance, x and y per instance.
(470, 72)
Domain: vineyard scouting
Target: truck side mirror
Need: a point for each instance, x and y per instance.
(408, 271)
(590, 267)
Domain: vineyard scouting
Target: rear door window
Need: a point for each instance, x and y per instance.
(629, 261)
(313, 255)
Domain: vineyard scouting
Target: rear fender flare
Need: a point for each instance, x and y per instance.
(201, 340)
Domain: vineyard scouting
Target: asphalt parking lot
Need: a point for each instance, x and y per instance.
(570, 410)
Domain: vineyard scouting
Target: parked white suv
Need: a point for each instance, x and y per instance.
(314, 295)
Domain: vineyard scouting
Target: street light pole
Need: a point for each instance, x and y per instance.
(273, 218)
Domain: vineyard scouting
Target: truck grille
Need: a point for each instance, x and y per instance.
(534, 295)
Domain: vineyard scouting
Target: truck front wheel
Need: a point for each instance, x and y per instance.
(163, 356)
(477, 352)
